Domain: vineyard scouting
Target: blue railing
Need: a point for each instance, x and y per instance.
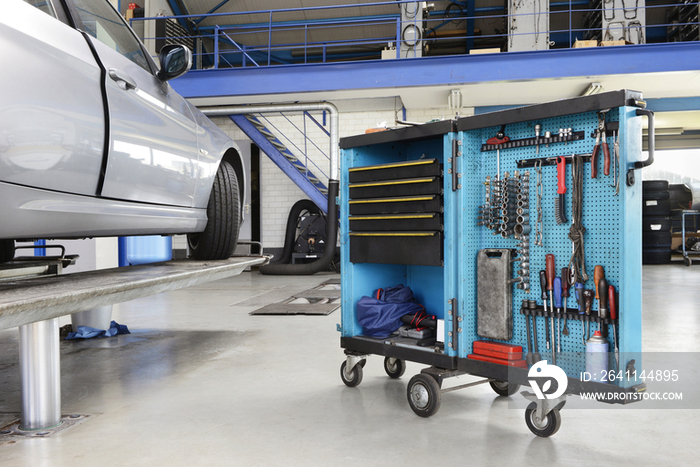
(227, 40)
(309, 163)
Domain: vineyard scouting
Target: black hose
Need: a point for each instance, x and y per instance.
(292, 222)
(279, 269)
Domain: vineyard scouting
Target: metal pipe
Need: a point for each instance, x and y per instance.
(40, 375)
(334, 173)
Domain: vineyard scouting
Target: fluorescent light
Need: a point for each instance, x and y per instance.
(665, 131)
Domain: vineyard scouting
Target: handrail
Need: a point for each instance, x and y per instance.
(314, 40)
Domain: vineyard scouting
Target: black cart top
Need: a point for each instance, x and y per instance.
(575, 105)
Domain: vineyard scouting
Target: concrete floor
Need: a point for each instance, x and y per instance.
(201, 382)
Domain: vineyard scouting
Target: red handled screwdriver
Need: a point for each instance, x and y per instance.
(549, 266)
(613, 317)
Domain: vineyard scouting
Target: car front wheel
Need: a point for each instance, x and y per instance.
(220, 236)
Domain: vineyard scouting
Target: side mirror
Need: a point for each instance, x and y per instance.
(175, 60)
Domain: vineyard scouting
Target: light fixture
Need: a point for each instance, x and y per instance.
(454, 100)
(593, 88)
(664, 131)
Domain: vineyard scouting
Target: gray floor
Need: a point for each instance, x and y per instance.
(201, 382)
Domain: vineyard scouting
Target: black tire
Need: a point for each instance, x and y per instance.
(7, 250)
(504, 388)
(659, 195)
(656, 256)
(687, 261)
(654, 185)
(354, 378)
(657, 239)
(656, 207)
(396, 370)
(548, 426)
(656, 224)
(423, 394)
(220, 236)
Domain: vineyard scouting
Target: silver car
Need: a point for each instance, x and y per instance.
(94, 141)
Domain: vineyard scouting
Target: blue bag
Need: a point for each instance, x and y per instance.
(381, 316)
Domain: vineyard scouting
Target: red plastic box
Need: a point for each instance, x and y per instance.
(500, 361)
(498, 350)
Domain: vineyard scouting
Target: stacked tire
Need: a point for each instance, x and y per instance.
(656, 222)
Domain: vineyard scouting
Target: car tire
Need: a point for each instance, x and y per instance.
(220, 236)
(7, 250)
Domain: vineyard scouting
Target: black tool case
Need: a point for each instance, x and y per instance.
(437, 256)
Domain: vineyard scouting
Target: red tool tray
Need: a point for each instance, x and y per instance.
(500, 361)
(498, 350)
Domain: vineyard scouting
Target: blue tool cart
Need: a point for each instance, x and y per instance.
(478, 216)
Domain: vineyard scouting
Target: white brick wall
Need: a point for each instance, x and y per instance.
(279, 193)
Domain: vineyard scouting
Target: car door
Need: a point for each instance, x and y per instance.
(52, 124)
(153, 155)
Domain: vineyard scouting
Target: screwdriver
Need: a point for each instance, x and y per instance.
(613, 317)
(565, 295)
(543, 286)
(549, 266)
(603, 303)
(578, 288)
(557, 303)
(588, 302)
(598, 274)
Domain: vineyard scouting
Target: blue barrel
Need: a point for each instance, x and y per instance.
(143, 250)
(597, 357)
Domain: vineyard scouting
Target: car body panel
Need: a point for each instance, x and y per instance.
(51, 124)
(153, 155)
(32, 213)
(163, 152)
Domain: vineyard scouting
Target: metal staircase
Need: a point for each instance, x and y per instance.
(285, 159)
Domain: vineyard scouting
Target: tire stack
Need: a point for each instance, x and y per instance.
(656, 222)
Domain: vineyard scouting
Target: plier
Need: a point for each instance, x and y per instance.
(600, 140)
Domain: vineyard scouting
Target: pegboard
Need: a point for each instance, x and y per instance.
(602, 215)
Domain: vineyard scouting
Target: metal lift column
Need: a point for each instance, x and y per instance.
(40, 375)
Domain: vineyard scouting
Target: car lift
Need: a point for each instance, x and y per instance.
(33, 295)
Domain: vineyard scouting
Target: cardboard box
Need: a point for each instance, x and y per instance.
(580, 44)
(492, 50)
(620, 42)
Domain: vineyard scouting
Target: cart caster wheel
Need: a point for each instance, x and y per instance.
(544, 428)
(423, 394)
(504, 388)
(354, 377)
(395, 369)
(687, 261)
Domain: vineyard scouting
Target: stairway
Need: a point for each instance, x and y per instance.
(290, 164)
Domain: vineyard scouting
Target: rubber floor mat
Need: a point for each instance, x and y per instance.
(297, 309)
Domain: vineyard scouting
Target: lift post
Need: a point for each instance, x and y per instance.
(33, 296)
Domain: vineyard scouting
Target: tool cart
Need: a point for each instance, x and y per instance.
(478, 216)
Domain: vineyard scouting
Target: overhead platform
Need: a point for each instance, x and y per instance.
(495, 79)
(35, 304)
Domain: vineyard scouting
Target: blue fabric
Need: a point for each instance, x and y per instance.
(86, 332)
(380, 318)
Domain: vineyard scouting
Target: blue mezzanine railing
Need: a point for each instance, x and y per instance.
(262, 38)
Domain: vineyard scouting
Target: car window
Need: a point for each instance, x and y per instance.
(44, 5)
(103, 23)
